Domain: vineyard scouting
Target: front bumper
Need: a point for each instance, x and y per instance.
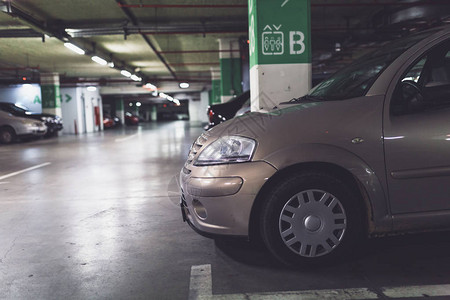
(217, 200)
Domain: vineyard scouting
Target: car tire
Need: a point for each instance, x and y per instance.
(7, 135)
(311, 218)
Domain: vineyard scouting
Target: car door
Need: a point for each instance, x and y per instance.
(416, 135)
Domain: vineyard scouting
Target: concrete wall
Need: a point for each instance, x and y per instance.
(28, 95)
(197, 109)
(78, 109)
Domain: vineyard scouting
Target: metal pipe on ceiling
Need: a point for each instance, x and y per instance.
(135, 22)
(337, 4)
(183, 5)
(196, 51)
(196, 64)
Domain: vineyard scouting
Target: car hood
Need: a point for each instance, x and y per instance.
(324, 122)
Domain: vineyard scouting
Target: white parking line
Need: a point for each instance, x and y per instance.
(200, 288)
(126, 138)
(24, 170)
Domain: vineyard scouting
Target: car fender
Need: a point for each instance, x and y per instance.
(372, 183)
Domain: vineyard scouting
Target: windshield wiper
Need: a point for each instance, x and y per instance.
(305, 98)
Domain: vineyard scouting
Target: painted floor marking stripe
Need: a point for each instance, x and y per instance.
(126, 138)
(200, 288)
(418, 291)
(24, 170)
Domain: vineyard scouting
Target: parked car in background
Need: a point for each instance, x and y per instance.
(54, 123)
(364, 153)
(219, 113)
(131, 119)
(110, 122)
(12, 127)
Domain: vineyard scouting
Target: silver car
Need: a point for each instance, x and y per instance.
(12, 127)
(364, 153)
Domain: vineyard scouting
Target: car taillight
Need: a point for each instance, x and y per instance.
(210, 115)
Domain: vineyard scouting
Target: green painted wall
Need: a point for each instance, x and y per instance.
(215, 92)
(231, 78)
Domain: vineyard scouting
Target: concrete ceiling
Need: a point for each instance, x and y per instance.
(169, 41)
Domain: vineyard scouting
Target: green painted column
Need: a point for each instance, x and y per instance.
(51, 95)
(230, 69)
(215, 87)
(120, 111)
(280, 51)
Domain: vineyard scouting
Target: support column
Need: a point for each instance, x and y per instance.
(280, 55)
(215, 87)
(230, 69)
(51, 95)
(120, 112)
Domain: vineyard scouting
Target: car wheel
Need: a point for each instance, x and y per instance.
(7, 135)
(311, 218)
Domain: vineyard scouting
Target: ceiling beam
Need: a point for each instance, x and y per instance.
(135, 22)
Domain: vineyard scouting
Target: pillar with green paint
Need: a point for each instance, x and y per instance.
(215, 87)
(51, 95)
(120, 111)
(280, 51)
(230, 69)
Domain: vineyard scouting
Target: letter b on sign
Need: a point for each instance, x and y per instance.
(296, 42)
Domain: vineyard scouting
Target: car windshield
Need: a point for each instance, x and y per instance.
(356, 79)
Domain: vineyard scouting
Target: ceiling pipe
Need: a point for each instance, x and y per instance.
(196, 64)
(340, 4)
(22, 16)
(135, 22)
(182, 5)
(196, 51)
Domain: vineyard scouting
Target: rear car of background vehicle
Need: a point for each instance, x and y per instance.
(366, 152)
(131, 119)
(219, 113)
(12, 127)
(54, 123)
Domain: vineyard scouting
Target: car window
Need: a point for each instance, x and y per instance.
(356, 79)
(426, 84)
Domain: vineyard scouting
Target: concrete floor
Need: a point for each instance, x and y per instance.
(102, 221)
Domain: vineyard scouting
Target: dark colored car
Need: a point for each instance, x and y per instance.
(365, 153)
(54, 123)
(219, 113)
(131, 119)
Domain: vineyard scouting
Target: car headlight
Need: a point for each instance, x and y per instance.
(227, 149)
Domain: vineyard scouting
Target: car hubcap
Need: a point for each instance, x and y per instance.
(6, 136)
(312, 223)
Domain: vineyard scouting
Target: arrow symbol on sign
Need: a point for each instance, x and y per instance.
(277, 28)
(284, 3)
(68, 98)
(267, 27)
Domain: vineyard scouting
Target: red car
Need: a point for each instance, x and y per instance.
(131, 119)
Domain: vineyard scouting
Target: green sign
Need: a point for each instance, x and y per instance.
(50, 96)
(279, 31)
(68, 98)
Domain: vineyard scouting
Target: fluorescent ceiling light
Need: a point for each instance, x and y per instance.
(138, 104)
(177, 102)
(91, 88)
(150, 86)
(125, 73)
(183, 85)
(170, 98)
(162, 95)
(99, 60)
(111, 64)
(136, 78)
(74, 48)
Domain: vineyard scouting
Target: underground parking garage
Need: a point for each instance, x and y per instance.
(235, 150)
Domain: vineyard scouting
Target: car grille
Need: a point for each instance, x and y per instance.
(196, 146)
